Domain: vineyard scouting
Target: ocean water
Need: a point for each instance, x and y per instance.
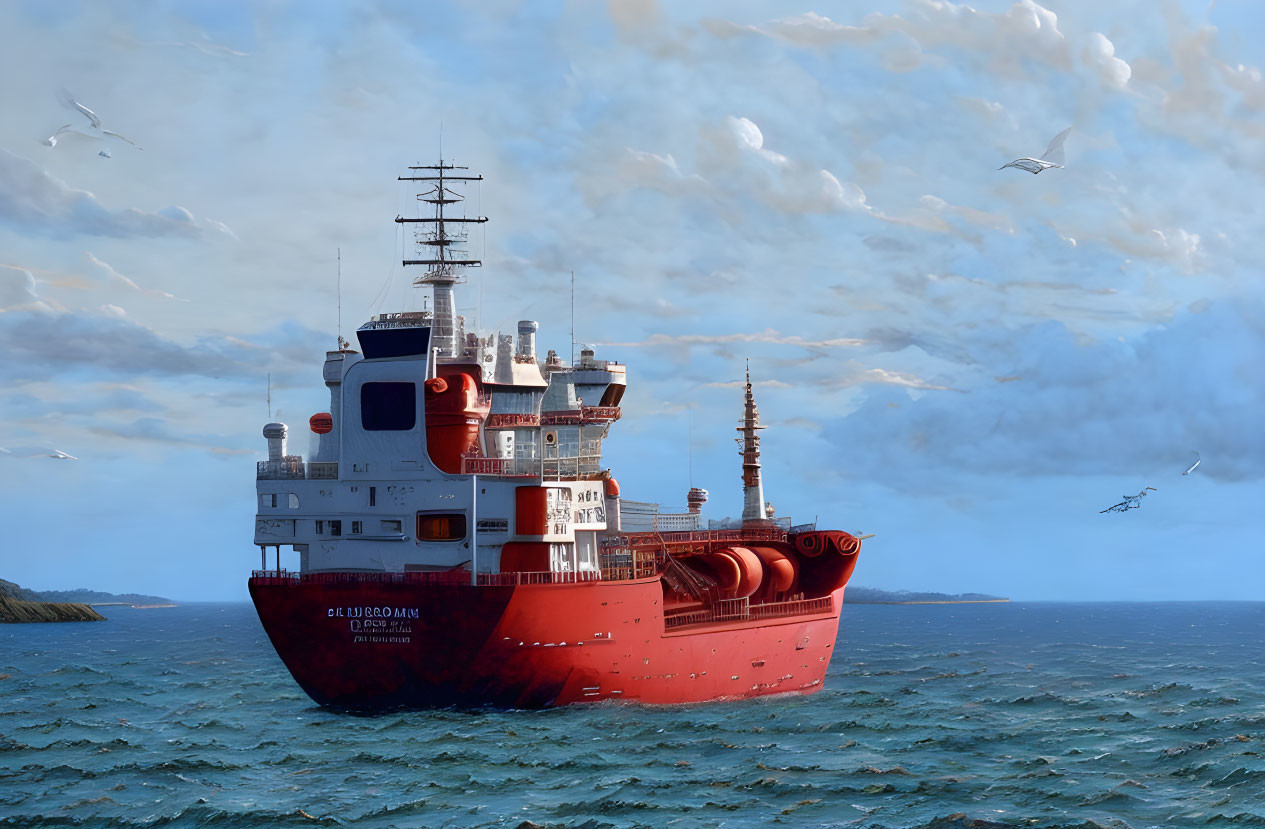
(940, 716)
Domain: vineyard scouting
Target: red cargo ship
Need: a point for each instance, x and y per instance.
(459, 543)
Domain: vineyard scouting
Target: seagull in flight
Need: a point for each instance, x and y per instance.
(1193, 465)
(1129, 502)
(92, 130)
(1052, 157)
(37, 452)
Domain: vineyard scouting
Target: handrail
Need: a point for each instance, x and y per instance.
(737, 610)
(296, 470)
(287, 578)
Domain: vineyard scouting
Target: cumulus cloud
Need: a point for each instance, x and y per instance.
(749, 138)
(1101, 54)
(857, 375)
(40, 344)
(639, 168)
(1006, 42)
(17, 290)
(1103, 407)
(766, 336)
(32, 201)
(739, 159)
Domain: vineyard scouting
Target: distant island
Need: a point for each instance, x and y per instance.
(17, 604)
(86, 596)
(872, 595)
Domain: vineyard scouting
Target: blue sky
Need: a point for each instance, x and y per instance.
(970, 363)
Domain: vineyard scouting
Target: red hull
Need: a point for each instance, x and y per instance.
(366, 642)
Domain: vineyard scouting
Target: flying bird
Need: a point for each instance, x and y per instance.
(105, 154)
(92, 130)
(37, 452)
(1129, 502)
(1193, 465)
(1052, 157)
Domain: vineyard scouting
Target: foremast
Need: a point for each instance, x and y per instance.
(447, 257)
(753, 508)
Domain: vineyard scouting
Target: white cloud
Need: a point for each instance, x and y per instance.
(767, 336)
(1005, 42)
(17, 290)
(33, 201)
(1101, 53)
(750, 138)
(114, 275)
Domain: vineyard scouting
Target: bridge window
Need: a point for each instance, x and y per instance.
(441, 526)
(388, 407)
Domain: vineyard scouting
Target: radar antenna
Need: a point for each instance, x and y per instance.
(448, 256)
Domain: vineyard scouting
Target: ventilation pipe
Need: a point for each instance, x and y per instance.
(527, 338)
(276, 435)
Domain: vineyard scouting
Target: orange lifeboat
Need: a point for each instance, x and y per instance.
(321, 423)
(453, 418)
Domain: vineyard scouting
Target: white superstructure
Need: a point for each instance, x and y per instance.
(442, 447)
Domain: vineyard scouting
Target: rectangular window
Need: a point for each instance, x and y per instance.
(335, 527)
(356, 527)
(441, 526)
(274, 500)
(392, 527)
(493, 525)
(388, 407)
(320, 527)
(373, 496)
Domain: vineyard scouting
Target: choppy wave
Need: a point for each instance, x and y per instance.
(939, 717)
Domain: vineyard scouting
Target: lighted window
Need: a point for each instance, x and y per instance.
(388, 407)
(441, 526)
(356, 527)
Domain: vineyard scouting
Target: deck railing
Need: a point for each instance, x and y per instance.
(287, 578)
(295, 470)
(737, 610)
(283, 470)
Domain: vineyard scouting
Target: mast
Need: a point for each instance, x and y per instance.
(446, 257)
(752, 486)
